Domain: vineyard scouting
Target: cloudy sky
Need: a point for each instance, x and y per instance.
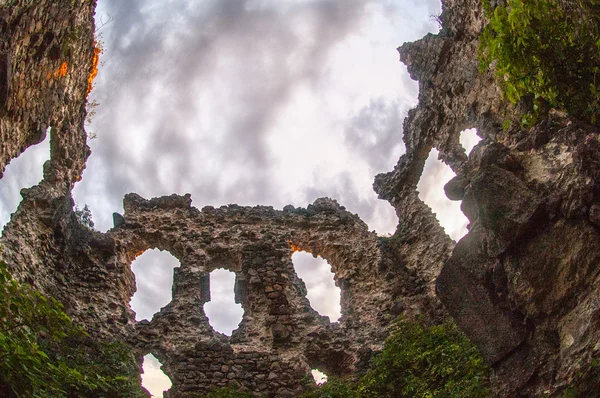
(269, 102)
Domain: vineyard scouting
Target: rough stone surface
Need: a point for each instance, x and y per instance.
(281, 338)
(38, 38)
(279, 328)
(523, 283)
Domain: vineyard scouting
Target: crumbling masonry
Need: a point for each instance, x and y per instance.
(523, 284)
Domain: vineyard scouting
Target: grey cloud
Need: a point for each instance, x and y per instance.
(349, 199)
(187, 49)
(22, 172)
(410, 86)
(324, 297)
(375, 133)
(435, 175)
(378, 214)
(223, 313)
(151, 270)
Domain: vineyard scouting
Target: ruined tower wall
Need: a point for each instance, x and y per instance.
(46, 49)
(522, 284)
(281, 338)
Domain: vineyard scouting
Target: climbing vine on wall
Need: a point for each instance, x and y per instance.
(44, 354)
(546, 54)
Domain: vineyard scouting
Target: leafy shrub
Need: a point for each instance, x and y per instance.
(84, 216)
(548, 52)
(438, 361)
(108, 367)
(44, 354)
(334, 388)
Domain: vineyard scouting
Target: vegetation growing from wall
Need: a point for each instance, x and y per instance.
(546, 53)
(417, 361)
(84, 216)
(44, 354)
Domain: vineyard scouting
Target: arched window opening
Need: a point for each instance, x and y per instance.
(224, 315)
(154, 279)
(153, 378)
(323, 295)
(468, 139)
(22, 172)
(431, 191)
(320, 377)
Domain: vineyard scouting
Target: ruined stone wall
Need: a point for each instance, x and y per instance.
(46, 49)
(281, 338)
(523, 284)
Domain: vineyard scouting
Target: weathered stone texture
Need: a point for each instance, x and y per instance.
(278, 326)
(280, 337)
(37, 39)
(523, 283)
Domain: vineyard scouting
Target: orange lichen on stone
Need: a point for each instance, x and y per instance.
(94, 71)
(138, 253)
(61, 71)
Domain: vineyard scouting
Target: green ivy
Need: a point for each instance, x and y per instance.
(416, 361)
(546, 52)
(44, 354)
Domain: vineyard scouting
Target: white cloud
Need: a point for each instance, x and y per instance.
(224, 315)
(322, 293)
(431, 191)
(468, 139)
(154, 278)
(153, 378)
(22, 172)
